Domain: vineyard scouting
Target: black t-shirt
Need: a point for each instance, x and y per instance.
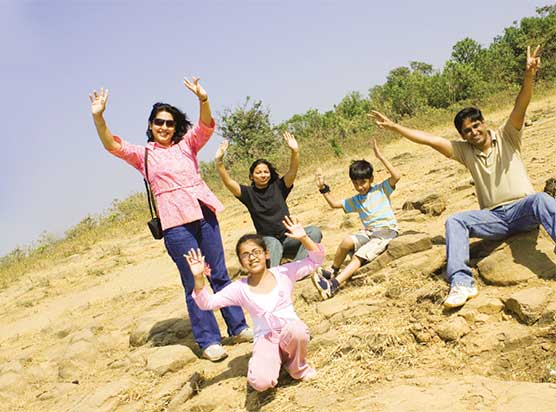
(267, 207)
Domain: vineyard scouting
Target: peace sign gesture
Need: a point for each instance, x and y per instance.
(196, 88)
(533, 63)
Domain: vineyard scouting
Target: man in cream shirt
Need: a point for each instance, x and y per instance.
(506, 197)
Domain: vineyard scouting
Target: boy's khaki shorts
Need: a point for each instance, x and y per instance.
(370, 244)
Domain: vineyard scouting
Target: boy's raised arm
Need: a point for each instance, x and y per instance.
(324, 189)
(439, 144)
(395, 174)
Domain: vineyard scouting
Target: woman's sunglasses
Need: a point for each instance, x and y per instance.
(160, 122)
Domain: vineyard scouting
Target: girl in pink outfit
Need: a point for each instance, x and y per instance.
(281, 338)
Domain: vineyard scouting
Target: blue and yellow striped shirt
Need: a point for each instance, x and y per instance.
(374, 208)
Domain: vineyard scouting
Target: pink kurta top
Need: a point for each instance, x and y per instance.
(174, 175)
(236, 294)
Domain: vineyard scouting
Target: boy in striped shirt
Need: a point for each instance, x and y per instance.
(372, 203)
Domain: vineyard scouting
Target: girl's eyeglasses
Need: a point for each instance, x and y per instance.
(254, 253)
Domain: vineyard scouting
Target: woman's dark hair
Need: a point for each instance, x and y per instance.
(360, 169)
(251, 237)
(182, 122)
(273, 172)
(471, 113)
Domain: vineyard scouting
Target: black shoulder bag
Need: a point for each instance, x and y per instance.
(154, 224)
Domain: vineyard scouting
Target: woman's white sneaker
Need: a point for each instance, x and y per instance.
(214, 353)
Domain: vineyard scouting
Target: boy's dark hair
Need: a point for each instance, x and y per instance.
(550, 187)
(360, 169)
(271, 168)
(467, 113)
(182, 122)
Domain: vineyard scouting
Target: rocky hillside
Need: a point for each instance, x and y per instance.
(107, 330)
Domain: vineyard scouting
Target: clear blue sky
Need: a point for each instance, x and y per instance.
(292, 55)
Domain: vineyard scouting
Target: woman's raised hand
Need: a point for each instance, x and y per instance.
(221, 150)
(196, 262)
(295, 229)
(196, 88)
(98, 101)
(290, 141)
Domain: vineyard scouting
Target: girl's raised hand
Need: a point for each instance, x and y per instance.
(195, 87)
(196, 262)
(295, 229)
(290, 141)
(98, 101)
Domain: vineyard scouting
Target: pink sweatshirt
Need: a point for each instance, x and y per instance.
(236, 294)
(174, 175)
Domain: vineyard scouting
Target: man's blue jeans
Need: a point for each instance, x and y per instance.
(497, 224)
(205, 235)
(290, 248)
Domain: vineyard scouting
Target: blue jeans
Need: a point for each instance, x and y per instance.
(290, 248)
(497, 224)
(205, 235)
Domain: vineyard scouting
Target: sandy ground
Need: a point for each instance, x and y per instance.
(65, 335)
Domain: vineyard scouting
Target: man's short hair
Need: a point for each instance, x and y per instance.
(360, 169)
(467, 113)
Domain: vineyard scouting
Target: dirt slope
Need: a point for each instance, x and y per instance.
(105, 331)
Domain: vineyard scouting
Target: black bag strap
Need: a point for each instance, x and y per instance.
(150, 198)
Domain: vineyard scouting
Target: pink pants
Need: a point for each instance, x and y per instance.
(270, 351)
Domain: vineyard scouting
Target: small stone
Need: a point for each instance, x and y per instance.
(453, 329)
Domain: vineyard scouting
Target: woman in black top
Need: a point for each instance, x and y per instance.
(265, 200)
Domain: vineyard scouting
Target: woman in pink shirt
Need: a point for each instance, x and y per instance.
(186, 206)
(280, 336)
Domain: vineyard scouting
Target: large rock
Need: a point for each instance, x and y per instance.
(498, 337)
(169, 358)
(403, 245)
(529, 304)
(343, 306)
(159, 332)
(411, 215)
(458, 394)
(59, 390)
(426, 262)
(105, 398)
(520, 258)
(433, 205)
(190, 388)
(406, 244)
(483, 304)
(82, 351)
